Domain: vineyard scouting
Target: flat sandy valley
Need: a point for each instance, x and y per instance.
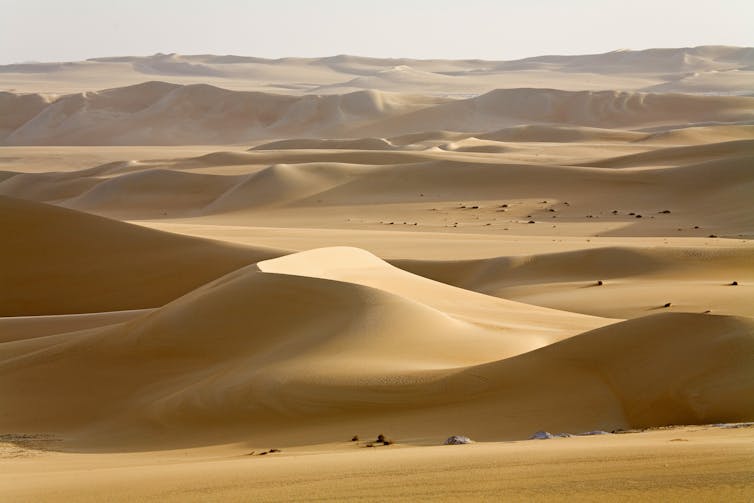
(217, 271)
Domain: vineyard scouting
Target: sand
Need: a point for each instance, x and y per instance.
(206, 256)
(691, 463)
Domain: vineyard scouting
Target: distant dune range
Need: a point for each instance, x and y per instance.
(158, 113)
(232, 99)
(220, 254)
(706, 69)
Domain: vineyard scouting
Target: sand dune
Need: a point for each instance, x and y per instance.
(17, 328)
(318, 144)
(636, 280)
(656, 392)
(173, 64)
(696, 135)
(511, 107)
(18, 109)
(300, 336)
(681, 135)
(159, 113)
(417, 138)
(88, 263)
(732, 81)
(703, 58)
(182, 371)
(353, 265)
(560, 134)
(400, 77)
(674, 155)
(47, 186)
(437, 188)
(358, 156)
(281, 183)
(704, 69)
(155, 192)
(582, 265)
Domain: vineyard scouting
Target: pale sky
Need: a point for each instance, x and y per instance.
(70, 30)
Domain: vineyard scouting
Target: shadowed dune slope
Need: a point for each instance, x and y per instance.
(282, 183)
(701, 134)
(560, 134)
(16, 328)
(636, 280)
(673, 156)
(583, 265)
(17, 109)
(657, 370)
(153, 192)
(88, 263)
(357, 266)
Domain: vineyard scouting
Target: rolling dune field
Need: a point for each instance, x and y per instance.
(209, 257)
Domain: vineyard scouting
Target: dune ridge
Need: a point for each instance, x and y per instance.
(511, 107)
(159, 113)
(704, 69)
(636, 280)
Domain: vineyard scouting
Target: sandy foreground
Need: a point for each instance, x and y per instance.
(697, 463)
(207, 256)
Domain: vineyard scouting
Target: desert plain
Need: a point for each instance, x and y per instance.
(217, 271)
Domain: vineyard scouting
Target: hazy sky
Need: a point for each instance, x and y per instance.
(64, 30)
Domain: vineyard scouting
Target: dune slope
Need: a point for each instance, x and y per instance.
(88, 263)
